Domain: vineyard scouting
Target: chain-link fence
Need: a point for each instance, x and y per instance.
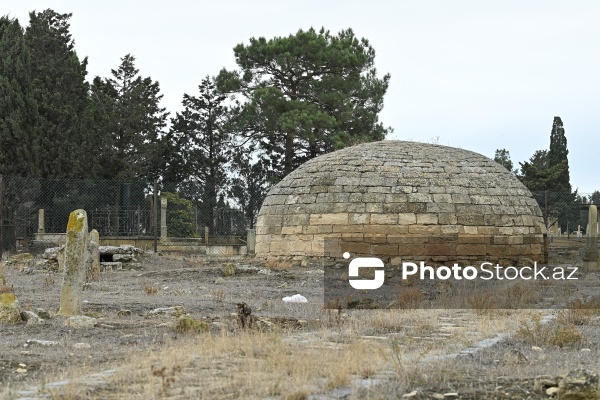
(114, 209)
(565, 213)
(128, 209)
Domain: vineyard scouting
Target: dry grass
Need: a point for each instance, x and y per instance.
(245, 365)
(557, 332)
(292, 364)
(279, 265)
(150, 289)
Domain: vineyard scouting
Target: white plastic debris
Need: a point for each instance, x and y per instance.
(297, 298)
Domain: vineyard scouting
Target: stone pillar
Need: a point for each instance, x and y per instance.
(74, 264)
(251, 241)
(41, 221)
(590, 259)
(163, 219)
(92, 262)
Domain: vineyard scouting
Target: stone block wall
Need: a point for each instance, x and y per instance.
(402, 200)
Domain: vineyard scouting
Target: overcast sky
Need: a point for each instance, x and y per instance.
(479, 75)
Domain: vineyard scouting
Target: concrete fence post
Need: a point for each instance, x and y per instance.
(163, 219)
(250, 241)
(41, 221)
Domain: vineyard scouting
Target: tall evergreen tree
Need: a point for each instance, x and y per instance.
(61, 91)
(557, 157)
(18, 110)
(249, 185)
(546, 174)
(305, 95)
(203, 143)
(127, 114)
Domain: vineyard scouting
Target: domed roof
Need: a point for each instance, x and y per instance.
(378, 192)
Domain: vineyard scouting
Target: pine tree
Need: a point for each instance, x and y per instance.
(305, 95)
(18, 110)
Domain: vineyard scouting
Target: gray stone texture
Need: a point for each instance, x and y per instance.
(385, 195)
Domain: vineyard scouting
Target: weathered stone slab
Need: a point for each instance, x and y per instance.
(74, 264)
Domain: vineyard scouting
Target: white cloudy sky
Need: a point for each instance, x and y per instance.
(479, 75)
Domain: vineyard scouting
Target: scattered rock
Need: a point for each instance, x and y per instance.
(170, 311)
(123, 257)
(552, 391)
(579, 384)
(111, 266)
(586, 350)
(536, 348)
(81, 321)
(124, 313)
(9, 309)
(31, 318)
(45, 343)
(42, 313)
(437, 396)
(21, 261)
(543, 382)
(452, 395)
(220, 281)
(409, 395)
(82, 346)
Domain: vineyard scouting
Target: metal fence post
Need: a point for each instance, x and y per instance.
(155, 215)
(1, 215)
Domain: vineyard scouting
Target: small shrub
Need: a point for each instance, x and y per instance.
(229, 269)
(150, 289)
(409, 298)
(6, 289)
(187, 325)
(553, 333)
(482, 303)
(579, 311)
(2, 279)
(566, 336)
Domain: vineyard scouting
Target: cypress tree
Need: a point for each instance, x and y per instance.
(61, 91)
(18, 111)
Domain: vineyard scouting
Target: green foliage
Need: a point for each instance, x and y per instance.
(201, 146)
(60, 90)
(127, 116)
(546, 174)
(180, 216)
(187, 325)
(502, 157)
(249, 186)
(305, 95)
(18, 108)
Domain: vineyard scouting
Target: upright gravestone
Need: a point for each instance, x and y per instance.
(92, 262)
(74, 264)
(590, 259)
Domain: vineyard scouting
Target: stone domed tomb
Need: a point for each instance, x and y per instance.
(402, 201)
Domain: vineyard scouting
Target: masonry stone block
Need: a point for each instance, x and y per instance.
(402, 200)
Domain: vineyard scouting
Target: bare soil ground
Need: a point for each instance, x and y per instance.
(291, 351)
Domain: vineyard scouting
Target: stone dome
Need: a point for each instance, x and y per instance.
(401, 200)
